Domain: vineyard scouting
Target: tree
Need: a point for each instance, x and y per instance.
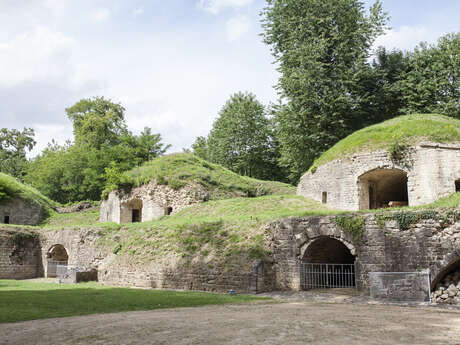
(241, 139)
(97, 121)
(432, 82)
(200, 147)
(322, 49)
(80, 170)
(14, 145)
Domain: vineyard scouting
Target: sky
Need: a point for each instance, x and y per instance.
(172, 64)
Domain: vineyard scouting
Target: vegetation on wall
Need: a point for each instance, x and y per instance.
(10, 188)
(405, 130)
(351, 224)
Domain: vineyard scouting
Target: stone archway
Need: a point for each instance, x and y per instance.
(57, 256)
(327, 262)
(382, 187)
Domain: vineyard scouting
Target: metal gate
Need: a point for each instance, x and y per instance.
(56, 268)
(320, 276)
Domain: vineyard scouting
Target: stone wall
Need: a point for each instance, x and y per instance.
(20, 255)
(19, 211)
(428, 244)
(153, 200)
(431, 169)
(81, 246)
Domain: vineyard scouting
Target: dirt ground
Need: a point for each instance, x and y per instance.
(287, 321)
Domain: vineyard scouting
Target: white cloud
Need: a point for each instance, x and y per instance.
(215, 6)
(99, 14)
(237, 27)
(138, 11)
(37, 54)
(407, 37)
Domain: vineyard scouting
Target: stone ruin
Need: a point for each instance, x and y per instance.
(149, 202)
(20, 211)
(371, 180)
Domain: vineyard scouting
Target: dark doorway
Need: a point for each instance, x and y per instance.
(168, 211)
(457, 186)
(324, 198)
(136, 216)
(6, 220)
(382, 188)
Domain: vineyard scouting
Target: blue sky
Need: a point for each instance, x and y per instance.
(172, 64)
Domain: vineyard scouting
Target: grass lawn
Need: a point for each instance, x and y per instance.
(22, 300)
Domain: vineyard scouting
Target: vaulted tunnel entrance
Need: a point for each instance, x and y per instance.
(327, 263)
(56, 257)
(382, 188)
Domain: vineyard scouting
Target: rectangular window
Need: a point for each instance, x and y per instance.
(6, 220)
(324, 198)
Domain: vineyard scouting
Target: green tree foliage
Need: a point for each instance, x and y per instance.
(97, 122)
(322, 49)
(80, 170)
(14, 145)
(432, 82)
(200, 147)
(242, 139)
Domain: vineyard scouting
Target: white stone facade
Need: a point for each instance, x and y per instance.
(366, 180)
(149, 202)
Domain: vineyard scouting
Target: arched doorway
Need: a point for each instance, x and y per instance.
(56, 258)
(327, 263)
(380, 188)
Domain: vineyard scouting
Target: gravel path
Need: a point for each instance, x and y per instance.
(286, 323)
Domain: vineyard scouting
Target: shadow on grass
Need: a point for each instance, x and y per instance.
(21, 304)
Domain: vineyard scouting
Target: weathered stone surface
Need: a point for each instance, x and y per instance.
(20, 211)
(152, 200)
(431, 168)
(20, 257)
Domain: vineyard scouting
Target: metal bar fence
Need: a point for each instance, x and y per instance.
(320, 276)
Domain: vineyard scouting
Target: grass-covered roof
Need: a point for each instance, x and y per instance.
(407, 129)
(180, 169)
(10, 188)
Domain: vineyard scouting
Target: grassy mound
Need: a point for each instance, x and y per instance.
(10, 188)
(226, 233)
(402, 130)
(180, 169)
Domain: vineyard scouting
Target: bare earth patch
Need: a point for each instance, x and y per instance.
(303, 322)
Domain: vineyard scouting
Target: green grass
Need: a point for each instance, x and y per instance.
(22, 300)
(85, 218)
(180, 169)
(408, 129)
(10, 188)
(226, 233)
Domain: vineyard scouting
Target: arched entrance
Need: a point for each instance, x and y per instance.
(56, 258)
(380, 188)
(327, 263)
